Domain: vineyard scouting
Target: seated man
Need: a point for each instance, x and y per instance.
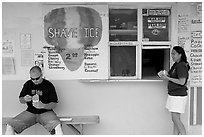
(40, 96)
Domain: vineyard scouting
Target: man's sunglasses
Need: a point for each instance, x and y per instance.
(36, 78)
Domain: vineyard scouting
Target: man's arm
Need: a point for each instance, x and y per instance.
(22, 100)
(25, 99)
(41, 105)
(50, 105)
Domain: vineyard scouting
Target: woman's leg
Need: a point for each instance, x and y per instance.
(177, 123)
(175, 129)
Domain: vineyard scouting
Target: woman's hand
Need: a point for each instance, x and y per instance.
(163, 74)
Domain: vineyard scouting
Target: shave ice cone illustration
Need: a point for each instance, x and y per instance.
(71, 30)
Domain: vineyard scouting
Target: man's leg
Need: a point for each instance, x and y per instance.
(51, 122)
(22, 121)
(9, 130)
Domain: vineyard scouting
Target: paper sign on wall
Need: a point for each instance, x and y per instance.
(8, 66)
(38, 60)
(7, 47)
(27, 58)
(25, 41)
(196, 58)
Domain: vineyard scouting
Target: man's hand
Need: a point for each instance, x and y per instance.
(38, 105)
(35, 98)
(27, 98)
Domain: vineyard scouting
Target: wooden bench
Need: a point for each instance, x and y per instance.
(76, 123)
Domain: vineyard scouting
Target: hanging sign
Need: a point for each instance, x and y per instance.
(159, 12)
(155, 22)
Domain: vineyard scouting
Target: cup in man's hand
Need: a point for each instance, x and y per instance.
(35, 98)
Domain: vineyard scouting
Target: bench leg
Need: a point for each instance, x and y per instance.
(82, 129)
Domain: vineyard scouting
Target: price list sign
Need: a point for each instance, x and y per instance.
(196, 58)
(74, 38)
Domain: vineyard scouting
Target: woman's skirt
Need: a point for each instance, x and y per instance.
(176, 103)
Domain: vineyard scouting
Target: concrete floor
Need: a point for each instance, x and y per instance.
(195, 130)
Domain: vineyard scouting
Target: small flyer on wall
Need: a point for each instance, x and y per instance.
(38, 60)
(27, 57)
(8, 47)
(8, 66)
(183, 23)
(25, 41)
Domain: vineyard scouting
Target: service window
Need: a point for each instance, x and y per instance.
(155, 42)
(139, 53)
(154, 60)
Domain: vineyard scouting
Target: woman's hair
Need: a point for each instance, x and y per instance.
(181, 51)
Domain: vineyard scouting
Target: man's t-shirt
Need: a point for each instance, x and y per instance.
(45, 90)
(178, 70)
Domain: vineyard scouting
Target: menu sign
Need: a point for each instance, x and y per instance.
(53, 59)
(74, 38)
(196, 58)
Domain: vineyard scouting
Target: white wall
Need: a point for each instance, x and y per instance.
(124, 107)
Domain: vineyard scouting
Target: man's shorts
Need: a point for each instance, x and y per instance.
(176, 103)
(49, 120)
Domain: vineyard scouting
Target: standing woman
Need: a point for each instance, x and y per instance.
(177, 88)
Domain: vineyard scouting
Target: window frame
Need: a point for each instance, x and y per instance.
(140, 44)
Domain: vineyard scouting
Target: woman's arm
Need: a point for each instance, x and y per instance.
(180, 81)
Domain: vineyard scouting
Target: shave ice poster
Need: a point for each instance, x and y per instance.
(75, 42)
